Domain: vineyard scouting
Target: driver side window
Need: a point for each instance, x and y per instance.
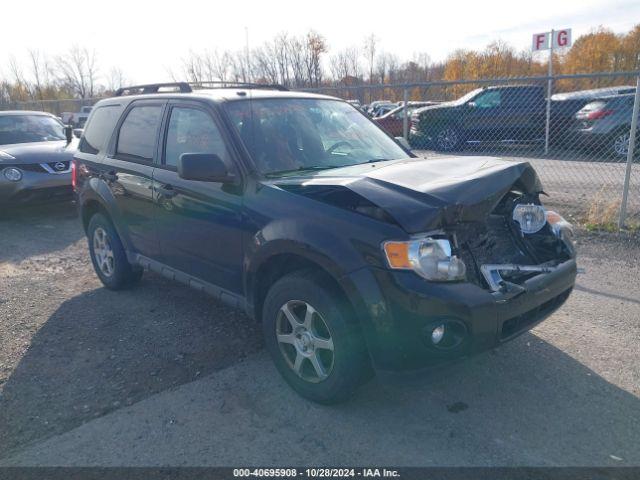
(193, 131)
(488, 100)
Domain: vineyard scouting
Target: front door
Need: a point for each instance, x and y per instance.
(199, 223)
(483, 119)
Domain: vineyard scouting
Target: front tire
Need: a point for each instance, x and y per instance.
(108, 255)
(447, 139)
(318, 351)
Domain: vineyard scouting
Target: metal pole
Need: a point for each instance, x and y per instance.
(630, 153)
(549, 88)
(405, 116)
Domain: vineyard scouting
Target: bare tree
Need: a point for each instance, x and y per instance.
(116, 79)
(370, 50)
(78, 71)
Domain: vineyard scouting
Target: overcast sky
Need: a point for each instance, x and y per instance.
(146, 39)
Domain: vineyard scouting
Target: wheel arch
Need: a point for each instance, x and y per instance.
(276, 266)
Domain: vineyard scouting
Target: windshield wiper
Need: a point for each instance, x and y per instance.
(375, 160)
(301, 169)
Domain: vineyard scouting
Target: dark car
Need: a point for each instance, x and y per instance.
(354, 255)
(565, 106)
(36, 149)
(393, 121)
(514, 113)
(605, 124)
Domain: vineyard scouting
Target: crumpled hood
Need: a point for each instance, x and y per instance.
(422, 195)
(41, 152)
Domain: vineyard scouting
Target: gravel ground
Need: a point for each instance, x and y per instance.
(134, 378)
(70, 350)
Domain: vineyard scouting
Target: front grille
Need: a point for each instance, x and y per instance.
(492, 242)
(524, 322)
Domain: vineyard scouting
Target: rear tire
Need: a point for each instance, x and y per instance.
(318, 351)
(619, 144)
(108, 255)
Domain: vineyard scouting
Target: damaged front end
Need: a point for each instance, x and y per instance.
(506, 249)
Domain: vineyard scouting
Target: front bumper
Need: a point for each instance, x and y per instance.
(398, 310)
(35, 187)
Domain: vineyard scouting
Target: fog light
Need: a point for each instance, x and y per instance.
(12, 174)
(437, 334)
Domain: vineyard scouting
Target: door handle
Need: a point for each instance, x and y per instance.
(110, 176)
(167, 191)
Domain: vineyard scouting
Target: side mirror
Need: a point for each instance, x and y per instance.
(77, 132)
(205, 167)
(68, 132)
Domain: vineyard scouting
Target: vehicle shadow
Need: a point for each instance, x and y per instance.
(526, 403)
(103, 350)
(36, 230)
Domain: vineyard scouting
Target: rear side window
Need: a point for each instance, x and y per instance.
(99, 128)
(137, 136)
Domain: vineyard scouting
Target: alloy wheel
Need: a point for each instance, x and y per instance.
(305, 341)
(621, 145)
(103, 252)
(447, 139)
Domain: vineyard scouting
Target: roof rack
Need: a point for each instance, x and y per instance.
(227, 84)
(183, 87)
(188, 87)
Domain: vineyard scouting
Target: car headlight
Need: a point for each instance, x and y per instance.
(430, 258)
(530, 217)
(12, 174)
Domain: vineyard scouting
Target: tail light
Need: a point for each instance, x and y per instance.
(73, 174)
(599, 114)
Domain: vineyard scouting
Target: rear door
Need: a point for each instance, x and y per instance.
(128, 171)
(524, 113)
(199, 223)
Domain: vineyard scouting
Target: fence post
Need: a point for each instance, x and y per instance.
(405, 116)
(630, 155)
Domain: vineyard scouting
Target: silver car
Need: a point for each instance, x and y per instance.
(36, 149)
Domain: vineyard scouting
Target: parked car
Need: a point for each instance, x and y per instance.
(513, 113)
(354, 254)
(77, 119)
(393, 121)
(376, 107)
(565, 106)
(605, 124)
(36, 149)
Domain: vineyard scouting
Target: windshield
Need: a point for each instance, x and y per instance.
(465, 98)
(286, 134)
(30, 128)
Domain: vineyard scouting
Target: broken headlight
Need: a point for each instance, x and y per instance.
(561, 229)
(430, 258)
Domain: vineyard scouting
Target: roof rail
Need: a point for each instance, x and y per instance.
(226, 84)
(183, 87)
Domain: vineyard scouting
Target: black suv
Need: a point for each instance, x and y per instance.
(354, 254)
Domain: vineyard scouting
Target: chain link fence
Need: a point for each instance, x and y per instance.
(574, 129)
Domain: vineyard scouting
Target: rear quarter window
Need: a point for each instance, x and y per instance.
(99, 128)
